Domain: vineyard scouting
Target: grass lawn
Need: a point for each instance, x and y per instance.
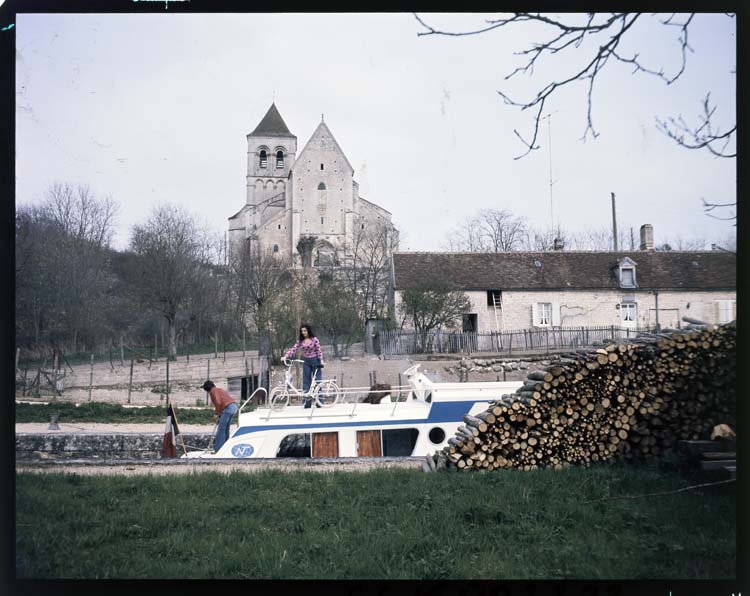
(111, 413)
(385, 524)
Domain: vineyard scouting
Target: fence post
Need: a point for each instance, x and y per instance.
(208, 376)
(91, 376)
(130, 381)
(167, 381)
(243, 340)
(216, 344)
(122, 352)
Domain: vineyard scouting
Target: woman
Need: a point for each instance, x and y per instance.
(312, 355)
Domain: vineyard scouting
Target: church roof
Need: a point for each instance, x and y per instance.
(272, 125)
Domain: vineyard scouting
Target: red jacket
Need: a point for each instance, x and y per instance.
(220, 399)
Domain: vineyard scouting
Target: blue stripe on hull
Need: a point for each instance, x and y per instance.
(450, 411)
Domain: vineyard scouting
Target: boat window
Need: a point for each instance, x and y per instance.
(437, 435)
(296, 445)
(399, 441)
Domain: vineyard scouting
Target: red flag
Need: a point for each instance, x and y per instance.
(169, 444)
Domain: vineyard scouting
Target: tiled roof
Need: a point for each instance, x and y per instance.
(272, 125)
(563, 270)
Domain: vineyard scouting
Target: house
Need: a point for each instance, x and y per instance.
(519, 290)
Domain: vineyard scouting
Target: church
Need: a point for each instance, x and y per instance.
(311, 197)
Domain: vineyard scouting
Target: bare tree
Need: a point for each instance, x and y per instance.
(333, 308)
(175, 260)
(597, 40)
(490, 230)
(546, 239)
(62, 262)
(367, 267)
(428, 309)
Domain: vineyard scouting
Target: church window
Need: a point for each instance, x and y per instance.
(279, 226)
(321, 220)
(275, 248)
(321, 166)
(362, 227)
(279, 159)
(263, 158)
(321, 186)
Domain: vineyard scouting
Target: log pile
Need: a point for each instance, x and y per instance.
(630, 399)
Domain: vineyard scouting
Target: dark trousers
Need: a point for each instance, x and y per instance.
(307, 373)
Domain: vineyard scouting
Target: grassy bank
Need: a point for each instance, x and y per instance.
(390, 524)
(110, 413)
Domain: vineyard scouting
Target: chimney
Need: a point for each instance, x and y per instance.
(647, 237)
(558, 244)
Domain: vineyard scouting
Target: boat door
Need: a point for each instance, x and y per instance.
(325, 444)
(369, 444)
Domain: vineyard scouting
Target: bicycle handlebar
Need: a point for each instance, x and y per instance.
(289, 363)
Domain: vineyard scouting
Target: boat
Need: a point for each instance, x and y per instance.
(423, 417)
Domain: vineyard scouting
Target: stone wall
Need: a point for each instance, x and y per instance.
(104, 446)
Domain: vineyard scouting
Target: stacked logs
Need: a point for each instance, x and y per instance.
(630, 399)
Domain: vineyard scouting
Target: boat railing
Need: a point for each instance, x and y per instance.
(355, 396)
(252, 395)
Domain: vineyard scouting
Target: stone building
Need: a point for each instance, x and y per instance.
(522, 290)
(310, 195)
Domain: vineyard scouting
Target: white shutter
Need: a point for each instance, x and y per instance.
(555, 314)
(535, 315)
(734, 310)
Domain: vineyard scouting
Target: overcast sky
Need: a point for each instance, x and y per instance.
(156, 107)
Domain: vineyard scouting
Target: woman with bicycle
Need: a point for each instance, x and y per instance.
(312, 355)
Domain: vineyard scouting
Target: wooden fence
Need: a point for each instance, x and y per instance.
(394, 343)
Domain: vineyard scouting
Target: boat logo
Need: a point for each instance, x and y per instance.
(242, 450)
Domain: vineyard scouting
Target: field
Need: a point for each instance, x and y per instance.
(385, 524)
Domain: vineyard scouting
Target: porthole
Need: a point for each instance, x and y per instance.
(437, 435)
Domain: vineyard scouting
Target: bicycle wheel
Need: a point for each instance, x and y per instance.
(279, 398)
(327, 394)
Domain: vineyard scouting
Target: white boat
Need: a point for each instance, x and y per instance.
(423, 422)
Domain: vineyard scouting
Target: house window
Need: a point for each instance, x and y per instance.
(726, 310)
(494, 297)
(628, 311)
(263, 158)
(627, 277)
(279, 159)
(544, 313)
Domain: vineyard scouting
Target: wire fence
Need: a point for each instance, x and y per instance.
(393, 343)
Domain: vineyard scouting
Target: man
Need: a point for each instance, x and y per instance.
(224, 410)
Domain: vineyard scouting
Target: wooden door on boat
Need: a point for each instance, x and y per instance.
(325, 445)
(368, 443)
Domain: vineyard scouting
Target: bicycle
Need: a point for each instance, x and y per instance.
(323, 394)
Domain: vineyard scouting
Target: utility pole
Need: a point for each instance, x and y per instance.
(614, 223)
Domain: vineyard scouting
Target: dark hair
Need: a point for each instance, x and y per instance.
(208, 385)
(310, 332)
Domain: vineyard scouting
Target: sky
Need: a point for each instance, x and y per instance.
(152, 108)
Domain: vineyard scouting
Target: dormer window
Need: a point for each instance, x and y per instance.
(263, 158)
(626, 273)
(279, 159)
(627, 277)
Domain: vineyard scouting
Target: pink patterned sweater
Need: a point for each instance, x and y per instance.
(310, 348)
